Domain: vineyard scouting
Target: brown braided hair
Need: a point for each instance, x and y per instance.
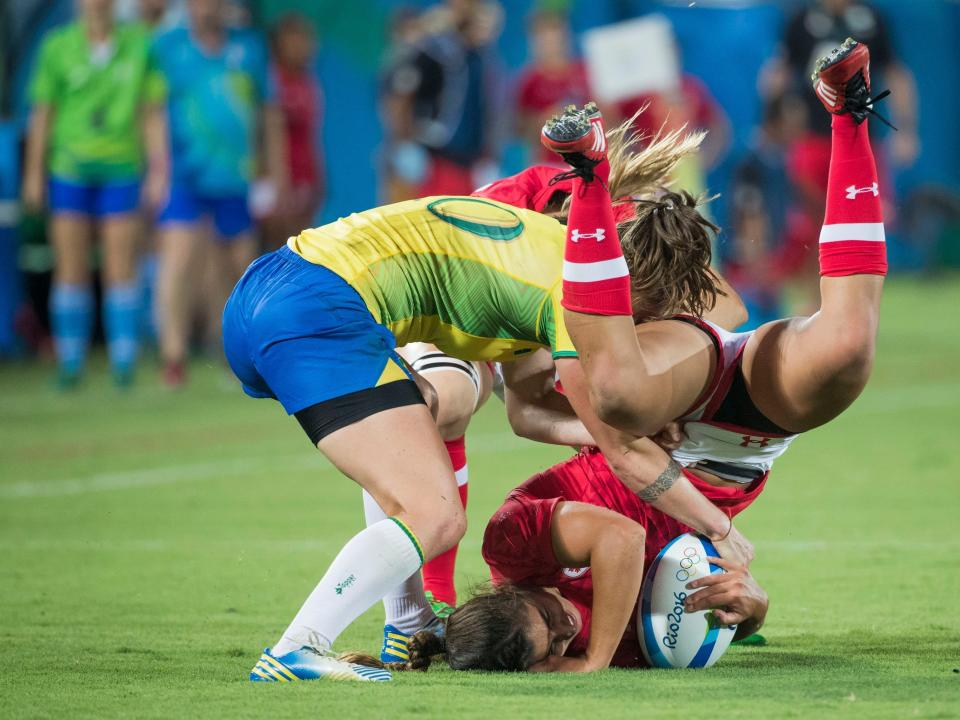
(487, 632)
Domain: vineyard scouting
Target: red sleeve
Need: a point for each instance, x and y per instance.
(529, 189)
(518, 545)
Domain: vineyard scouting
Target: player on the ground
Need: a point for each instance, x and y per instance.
(315, 325)
(567, 551)
(741, 401)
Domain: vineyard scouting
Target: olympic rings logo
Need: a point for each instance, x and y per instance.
(691, 558)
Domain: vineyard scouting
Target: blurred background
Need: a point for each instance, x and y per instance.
(149, 149)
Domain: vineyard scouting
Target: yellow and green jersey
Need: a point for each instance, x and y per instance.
(96, 96)
(479, 279)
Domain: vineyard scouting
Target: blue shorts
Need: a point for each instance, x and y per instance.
(93, 199)
(297, 332)
(230, 213)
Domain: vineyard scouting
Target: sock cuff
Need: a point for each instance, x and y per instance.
(125, 293)
(410, 536)
(71, 295)
(608, 297)
(457, 450)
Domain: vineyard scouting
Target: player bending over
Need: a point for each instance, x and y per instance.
(424, 599)
(567, 552)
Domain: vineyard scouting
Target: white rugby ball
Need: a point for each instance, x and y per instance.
(669, 636)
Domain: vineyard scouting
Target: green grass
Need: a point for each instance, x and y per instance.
(153, 542)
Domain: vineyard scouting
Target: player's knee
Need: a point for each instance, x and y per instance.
(852, 357)
(452, 420)
(440, 526)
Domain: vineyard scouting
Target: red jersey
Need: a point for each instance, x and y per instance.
(518, 546)
(301, 103)
(533, 188)
(541, 91)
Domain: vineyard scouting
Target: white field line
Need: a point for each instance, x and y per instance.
(208, 470)
(310, 545)
(892, 400)
(165, 475)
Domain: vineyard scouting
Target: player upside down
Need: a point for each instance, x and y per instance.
(740, 398)
(314, 325)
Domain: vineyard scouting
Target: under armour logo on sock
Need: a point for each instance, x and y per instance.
(853, 191)
(600, 234)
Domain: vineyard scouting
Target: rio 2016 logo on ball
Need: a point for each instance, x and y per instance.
(670, 637)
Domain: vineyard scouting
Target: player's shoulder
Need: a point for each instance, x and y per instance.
(64, 38)
(170, 38)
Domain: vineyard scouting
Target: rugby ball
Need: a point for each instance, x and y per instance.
(669, 636)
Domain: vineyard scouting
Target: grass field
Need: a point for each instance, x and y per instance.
(153, 543)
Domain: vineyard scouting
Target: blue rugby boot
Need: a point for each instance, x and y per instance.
(309, 664)
(396, 644)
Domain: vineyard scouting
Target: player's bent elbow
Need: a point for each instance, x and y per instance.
(624, 410)
(632, 534)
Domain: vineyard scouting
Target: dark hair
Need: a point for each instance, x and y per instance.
(547, 16)
(667, 247)
(487, 632)
(287, 23)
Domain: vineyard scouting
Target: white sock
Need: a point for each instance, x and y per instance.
(405, 606)
(369, 565)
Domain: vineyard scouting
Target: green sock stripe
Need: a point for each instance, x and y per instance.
(413, 538)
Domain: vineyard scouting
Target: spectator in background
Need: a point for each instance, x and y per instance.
(97, 105)
(690, 105)
(220, 104)
(764, 211)
(440, 103)
(812, 32)
(152, 12)
(553, 80)
(301, 102)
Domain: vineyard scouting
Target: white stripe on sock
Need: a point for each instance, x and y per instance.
(595, 271)
(870, 232)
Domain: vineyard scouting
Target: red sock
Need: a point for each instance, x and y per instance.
(438, 573)
(852, 240)
(596, 280)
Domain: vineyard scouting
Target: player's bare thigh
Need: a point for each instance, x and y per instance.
(803, 372)
(397, 456)
(458, 397)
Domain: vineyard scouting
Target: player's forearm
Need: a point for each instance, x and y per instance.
(728, 312)
(903, 98)
(549, 420)
(398, 116)
(37, 141)
(658, 480)
(616, 565)
(275, 144)
(155, 138)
